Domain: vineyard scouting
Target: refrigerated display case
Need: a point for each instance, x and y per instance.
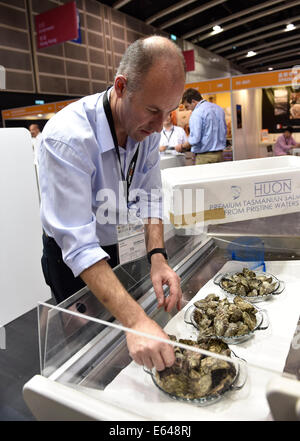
(88, 374)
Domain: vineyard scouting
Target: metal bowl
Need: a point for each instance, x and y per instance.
(262, 323)
(280, 285)
(237, 383)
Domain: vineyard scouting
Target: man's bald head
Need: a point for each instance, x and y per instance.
(148, 53)
(34, 130)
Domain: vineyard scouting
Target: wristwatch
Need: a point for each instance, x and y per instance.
(155, 251)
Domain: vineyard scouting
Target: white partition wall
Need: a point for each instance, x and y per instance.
(22, 283)
(247, 138)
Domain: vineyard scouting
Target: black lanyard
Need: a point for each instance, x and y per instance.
(170, 134)
(133, 162)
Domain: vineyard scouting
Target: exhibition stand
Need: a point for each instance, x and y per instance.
(253, 102)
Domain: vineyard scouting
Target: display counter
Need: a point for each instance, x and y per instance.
(87, 372)
(171, 159)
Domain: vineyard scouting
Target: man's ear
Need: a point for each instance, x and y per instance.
(120, 85)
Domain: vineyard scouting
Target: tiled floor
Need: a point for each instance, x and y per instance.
(18, 363)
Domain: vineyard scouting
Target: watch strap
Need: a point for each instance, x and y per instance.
(155, 251)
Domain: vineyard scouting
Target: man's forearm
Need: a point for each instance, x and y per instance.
(104, 284)
(154, 229)
(186, 146)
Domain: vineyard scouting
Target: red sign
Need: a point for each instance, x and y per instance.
(56, 25)
(189, 57)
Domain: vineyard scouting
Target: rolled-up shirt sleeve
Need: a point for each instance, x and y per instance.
(66, 207)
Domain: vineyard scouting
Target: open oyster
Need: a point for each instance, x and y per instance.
(196, 375)
(248, 284)
(224, 318)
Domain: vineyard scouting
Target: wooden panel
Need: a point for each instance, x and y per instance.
(95, 40)
(15, 50)
(68, 68)
(74, 69)
(13, 38)
(97, 57)
(45, 5)
(132, 36)
(118, 32)
(93, 7)
(94, 23)
(18, 3)
(13, 17)
(75, 52)
(15, 59)
(52, 50)
(51, 65)
(19, 81)
(117, 17)
(98, 87)
(98, 73)
(78, 87)
(118, 47)
(51, 84)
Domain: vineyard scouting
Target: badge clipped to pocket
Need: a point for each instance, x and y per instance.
(131, 240)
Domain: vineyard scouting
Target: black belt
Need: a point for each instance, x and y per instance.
(203, 153)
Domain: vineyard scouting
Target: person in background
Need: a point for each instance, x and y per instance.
(285, 143)
(208, 129)
(101, 154)
(171, 135)
(36, 138)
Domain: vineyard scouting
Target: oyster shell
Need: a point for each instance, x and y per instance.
(225, 319)
(198, 375)
(248, 284)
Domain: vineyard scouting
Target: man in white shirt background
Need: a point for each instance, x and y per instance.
(36, 138)
(171, 135)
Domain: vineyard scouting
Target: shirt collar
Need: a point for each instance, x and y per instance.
(199, 104)
(103, 133)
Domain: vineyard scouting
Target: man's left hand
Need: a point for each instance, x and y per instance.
(162, 274)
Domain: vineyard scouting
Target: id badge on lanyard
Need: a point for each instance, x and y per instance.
(131, 236)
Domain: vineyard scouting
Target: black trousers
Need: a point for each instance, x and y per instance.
(59, 276)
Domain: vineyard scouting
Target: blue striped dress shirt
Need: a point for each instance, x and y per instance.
(207, 128)
(80, 181)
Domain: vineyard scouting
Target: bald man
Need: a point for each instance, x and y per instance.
(36, 138)
(93, 148)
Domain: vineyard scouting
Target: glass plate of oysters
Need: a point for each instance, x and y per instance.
(253, 286)
(200, 379)
(232, 322)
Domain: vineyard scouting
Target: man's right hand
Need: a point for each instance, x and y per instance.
(162, 148)
(104, 284)
(149, 352)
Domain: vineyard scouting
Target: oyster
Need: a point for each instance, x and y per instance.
(198, 375)
(224, 319)
(248, 284)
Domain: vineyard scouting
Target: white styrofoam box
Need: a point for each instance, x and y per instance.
(231, 191)
(22, 283)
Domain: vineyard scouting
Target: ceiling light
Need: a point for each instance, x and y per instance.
(270, 68)
(251, 54)
(217, 29)
(290, 27)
